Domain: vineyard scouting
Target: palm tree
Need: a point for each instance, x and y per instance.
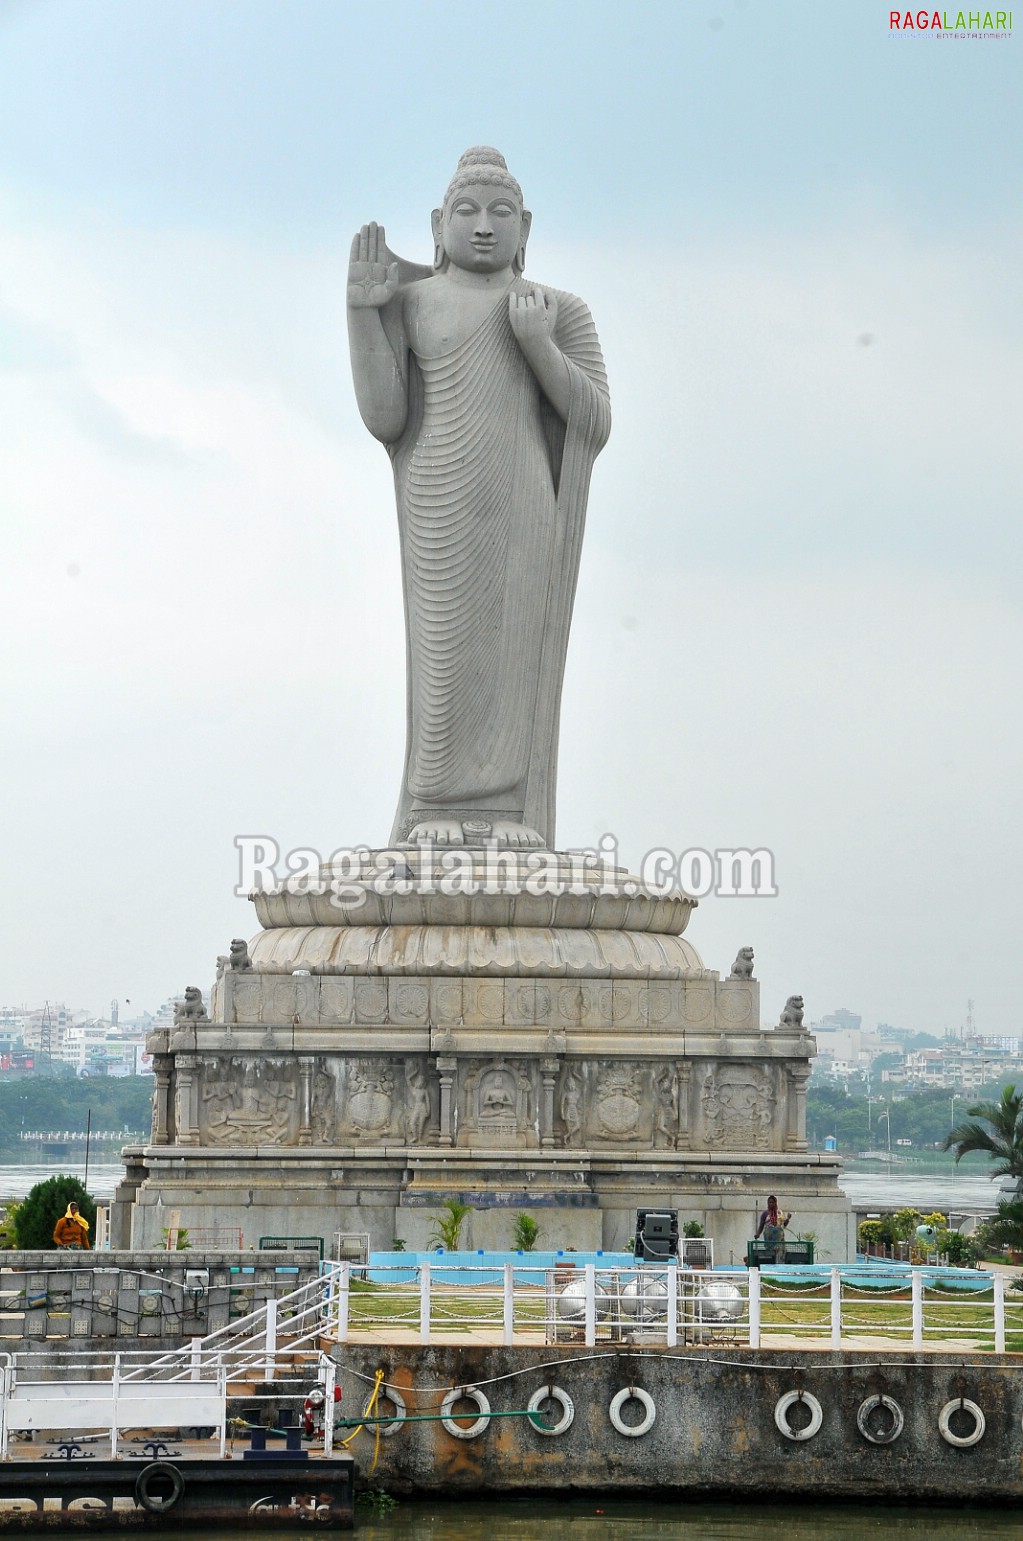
(996, 1129)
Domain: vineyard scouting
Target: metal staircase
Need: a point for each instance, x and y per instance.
(285, 1333)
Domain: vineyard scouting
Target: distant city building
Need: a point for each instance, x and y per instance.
(40, 1037)
(841, 1020)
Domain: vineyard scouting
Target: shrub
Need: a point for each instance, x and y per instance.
(447, 1228)
(43, 1206)
(525, 1232)
(961, 1251)
(692, 1230)
(871, 1233)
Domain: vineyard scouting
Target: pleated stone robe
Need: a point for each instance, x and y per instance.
(491, 488)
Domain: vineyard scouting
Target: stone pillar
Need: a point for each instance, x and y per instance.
(160, 1133)
(306, 1071)
(185, 1088)
(684, 1078)
(447, 1064)
(549, 1074)
(795, 1138)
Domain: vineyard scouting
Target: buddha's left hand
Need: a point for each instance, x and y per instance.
(533, 317)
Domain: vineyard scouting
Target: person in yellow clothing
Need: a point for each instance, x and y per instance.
(72, 1229)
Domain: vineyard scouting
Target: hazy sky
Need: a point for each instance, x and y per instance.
(799, 612)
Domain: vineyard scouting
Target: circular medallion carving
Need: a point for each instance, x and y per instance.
(698, 1005)
(573, 1003)
(656, 1005)
(246, 1001)
(413, 1001)
(735, 1007)
(621, 1004)
(284, 998)
(372, 999)
(490, 1000)
(449, 1002)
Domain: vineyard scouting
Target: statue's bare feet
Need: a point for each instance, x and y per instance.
(504, 832)
(436, 832)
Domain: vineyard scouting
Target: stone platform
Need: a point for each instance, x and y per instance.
(517, 1029)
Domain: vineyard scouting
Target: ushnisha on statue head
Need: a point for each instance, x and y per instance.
(482, 225)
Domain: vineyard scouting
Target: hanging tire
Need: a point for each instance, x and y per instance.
(451, 1401)
(563, 1400)
(961, 1441)
(385, 1430)
(781, 1412)
(646, 1401)
(157, 1475)
(871, 1405)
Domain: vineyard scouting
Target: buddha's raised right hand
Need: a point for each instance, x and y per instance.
(372, 279)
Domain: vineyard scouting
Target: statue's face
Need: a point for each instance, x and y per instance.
(482, 228)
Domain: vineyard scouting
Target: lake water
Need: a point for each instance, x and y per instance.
(637, 1519)
(967, 1191)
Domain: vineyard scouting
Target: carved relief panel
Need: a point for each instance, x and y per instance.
(737, 1108)
(368, 1102)
(420, 1102)
(248, 1102)
(323, 1106)
(604, 1103)
(497, 1104)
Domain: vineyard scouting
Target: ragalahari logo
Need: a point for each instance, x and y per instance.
(974, 24)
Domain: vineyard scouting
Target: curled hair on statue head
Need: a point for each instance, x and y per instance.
(482, 166)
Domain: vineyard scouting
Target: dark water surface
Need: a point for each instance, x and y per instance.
(961, 1191)
(546, 1518)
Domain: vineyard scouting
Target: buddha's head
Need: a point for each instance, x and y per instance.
(482, 226)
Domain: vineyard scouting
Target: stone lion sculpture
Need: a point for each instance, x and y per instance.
(191, 1009)
(238, 957)
(792, 1016)
(742, 968)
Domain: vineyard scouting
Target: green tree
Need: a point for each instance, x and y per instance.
(525, 1232)
(44, 1102)
(1005, 1229)
(7, 1236)
(43, 1206)
(447, 1228)
(995, 1129)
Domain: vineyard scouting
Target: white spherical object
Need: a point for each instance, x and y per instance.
(572, 1301)
(720, 1301)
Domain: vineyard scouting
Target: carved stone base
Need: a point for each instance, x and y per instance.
(566, 1050)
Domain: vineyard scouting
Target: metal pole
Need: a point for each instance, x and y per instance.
(754, 1307)
(88, 1136)
(836, 1308)
(328, 1409)
(999, 1313)
(343, 1300)
(271, 1339)
(672, 1305)
(424, 1303)
(509, 1304)
(591, 1304)
(918, 1308)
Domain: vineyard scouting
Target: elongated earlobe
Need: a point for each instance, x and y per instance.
(519, 260)
(440, 258)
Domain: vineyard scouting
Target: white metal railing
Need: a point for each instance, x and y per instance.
(509, 1302)
(290, 1327)
(91, 1395)
(111, 1393)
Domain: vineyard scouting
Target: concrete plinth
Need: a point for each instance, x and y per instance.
(543, 1038)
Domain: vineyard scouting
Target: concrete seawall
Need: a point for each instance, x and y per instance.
(714, 1431)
